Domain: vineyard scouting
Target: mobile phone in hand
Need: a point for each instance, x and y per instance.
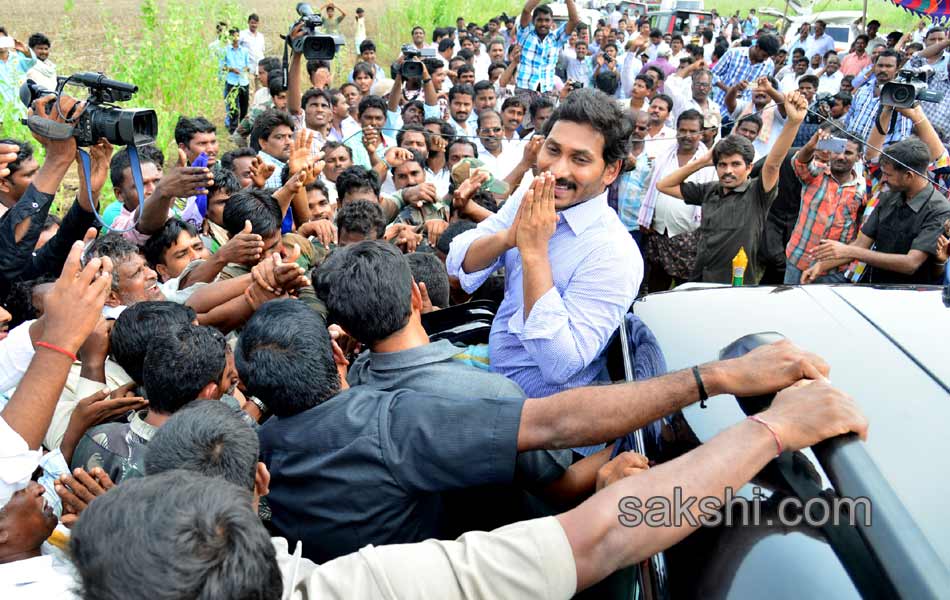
(834, 145)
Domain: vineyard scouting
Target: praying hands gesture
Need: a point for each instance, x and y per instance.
(536, 219)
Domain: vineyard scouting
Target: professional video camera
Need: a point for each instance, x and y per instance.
(412, 69)
(314, 45)
(908, 87)
(100, 119)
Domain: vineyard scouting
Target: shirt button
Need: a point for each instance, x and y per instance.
(35, 205)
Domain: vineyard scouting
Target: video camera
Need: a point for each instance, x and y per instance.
(100, 119)
(412, 69)
(314, 45)
(908, 87)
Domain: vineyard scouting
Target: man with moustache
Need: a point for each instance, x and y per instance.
(572, 269)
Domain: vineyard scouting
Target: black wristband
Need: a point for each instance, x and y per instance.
(425, 81)
(703, 396)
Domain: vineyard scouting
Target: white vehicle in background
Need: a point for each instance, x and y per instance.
(839, 25)
(587, 16)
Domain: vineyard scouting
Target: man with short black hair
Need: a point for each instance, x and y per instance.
(867, 102)
(273, 136)
(744, 64)
(576, 270)
(43, 71)
(181, 365)
(734, 207)
(540, 46)
(359, 220)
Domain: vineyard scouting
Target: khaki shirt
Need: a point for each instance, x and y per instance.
(530, 559)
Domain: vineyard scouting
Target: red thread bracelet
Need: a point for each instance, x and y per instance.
(778, 441)
(49, 346)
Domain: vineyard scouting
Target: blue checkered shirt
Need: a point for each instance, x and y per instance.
(538, 58)
(860, 119)
(735, 66)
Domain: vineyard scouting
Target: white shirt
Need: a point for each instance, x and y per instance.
(830, 84)
(789, 82)
(672, 216)
(655, 145)
(254, 42)
(628, 73)
(16, 352)
(45, 576)
(17, 462)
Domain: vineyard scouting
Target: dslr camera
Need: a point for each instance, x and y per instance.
(314, 44)
(412, 69)
(100, 119)
(908, 87)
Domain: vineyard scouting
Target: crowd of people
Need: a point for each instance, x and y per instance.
(225, 387)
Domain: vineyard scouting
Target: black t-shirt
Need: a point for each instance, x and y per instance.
(732, 219)
(899, 226)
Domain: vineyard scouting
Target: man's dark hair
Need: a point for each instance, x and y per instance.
(19, 300)
(454, 229)
(751, 118)
(253, 17)
(707, 35)
(267, 122)
(256, 206)
(315, 65)
(538, 104)
(466, 55)
(138, 325)
(417, 104)
(912, 152)
(345, 276)
(462, 89)
(284, 357)
(647, 81)
(513, 101)
(186, 128)
(665, 99)
(445, 128)
(690, 114)
(889, 53)
(361, 217)
(481, 86)
(213, 540)
(225, 180)
(606, 81)
(179, 363)
(464, 69)
(542, 10)
(462, 140)
(407, 128)
(488, 112)
(734, 144)
(208, 438)
(444, 45)
(809, 79)
(600, 112)
(155, 246)
(363, 68)
(227, 161)
(428, 269)
(121, 161)
(24, 154)
(660, 75)
(269, 63)
(417, 157)
(844, 97)
(874, 23)
(367, 45)
(433, 64)
(372, 102)
(356, 178)
(333, 145)
(38, 39)
(769, 44)
(656, 33)
(275, 83)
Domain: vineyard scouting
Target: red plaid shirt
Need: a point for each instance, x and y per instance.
(830, 210)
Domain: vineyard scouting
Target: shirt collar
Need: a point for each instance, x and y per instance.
(737, 190)
(140, 428)
(433, 352)
(581, 216)
(918, 201)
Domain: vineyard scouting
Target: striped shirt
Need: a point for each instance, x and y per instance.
(829, 210)
(735, 66)
(633, 187)
(539, 57)
(864, 110)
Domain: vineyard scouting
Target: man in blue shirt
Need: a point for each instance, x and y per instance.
(572, 269)
(236, 65)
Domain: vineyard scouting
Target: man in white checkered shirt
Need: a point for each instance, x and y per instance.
(540, 47)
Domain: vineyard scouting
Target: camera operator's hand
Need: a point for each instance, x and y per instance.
(914, 113)
(8, 154)
(100, 156)
(63, 109)
(261, 172)
(73, 307)
(182, 181)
